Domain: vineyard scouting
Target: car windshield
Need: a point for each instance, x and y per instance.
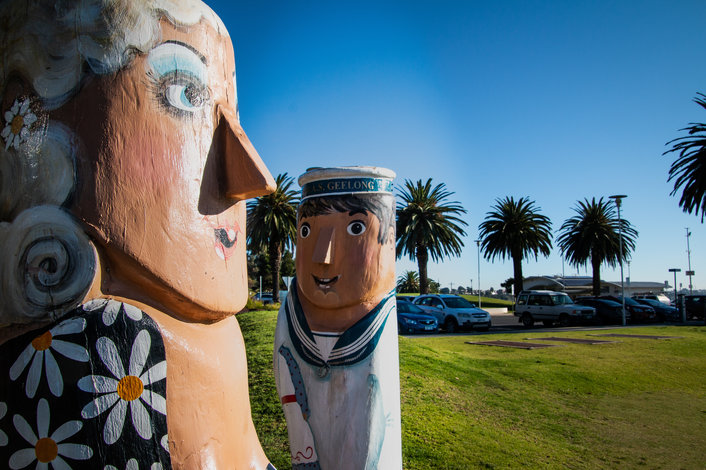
(407, 307)
(629, 301)
(561, 299)
(457, 302)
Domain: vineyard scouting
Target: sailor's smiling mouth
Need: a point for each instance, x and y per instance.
(325, 283)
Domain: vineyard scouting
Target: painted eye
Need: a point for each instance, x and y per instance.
(181, 93)
(187, 96)
(356, 228)
(304, 230)
(178, 75)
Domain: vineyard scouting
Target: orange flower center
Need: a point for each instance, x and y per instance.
(42, 342)
(46, 450)
(17, 123)
(130, 388)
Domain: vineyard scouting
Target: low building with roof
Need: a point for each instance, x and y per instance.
(583, 285)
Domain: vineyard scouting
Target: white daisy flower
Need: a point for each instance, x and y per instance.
(133, 465)
(17, 122)
(3, 436)
(47, 448)
(111, 308)
(125, 388)
(40, 349)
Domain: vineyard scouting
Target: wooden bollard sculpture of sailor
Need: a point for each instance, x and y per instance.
(336, 355)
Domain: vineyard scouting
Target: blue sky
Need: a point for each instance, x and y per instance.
(557, 101)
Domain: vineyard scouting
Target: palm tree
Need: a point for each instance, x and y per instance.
(515, 229)
(507, 285)
(689, 169)
(408, 282)
(593, 234)
(428, 225)
(272, 224)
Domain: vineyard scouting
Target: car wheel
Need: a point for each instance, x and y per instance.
(564, 320)
(450, 325)
(527, 320)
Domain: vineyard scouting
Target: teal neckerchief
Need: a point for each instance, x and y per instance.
(354, 345)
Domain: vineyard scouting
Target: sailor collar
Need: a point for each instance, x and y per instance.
(354, 345)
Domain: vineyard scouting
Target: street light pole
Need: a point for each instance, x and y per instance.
(618, 200)
(676, 304)
(478, 245)
(688, 255)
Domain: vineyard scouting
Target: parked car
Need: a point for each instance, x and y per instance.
(265, 298)
(639, 313)
(608, 312)
(406, 298)
(550, 307)
(695, 306)
(664, 312)
(658, 297)
(454, 312)
(412, 319)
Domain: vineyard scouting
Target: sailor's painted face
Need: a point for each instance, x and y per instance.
(340, 262)
(165, 168)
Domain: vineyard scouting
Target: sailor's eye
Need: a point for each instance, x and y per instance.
(304, 230)
(357, 227)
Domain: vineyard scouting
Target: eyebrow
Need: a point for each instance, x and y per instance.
(358, 211)
(190, 47)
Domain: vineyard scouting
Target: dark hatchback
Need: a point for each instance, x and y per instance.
(412, 319)
(608, 312)
(639, 313)
(664, 312)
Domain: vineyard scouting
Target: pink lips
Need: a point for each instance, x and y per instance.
(225, 239)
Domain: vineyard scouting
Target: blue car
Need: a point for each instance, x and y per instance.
(412, 319)
(664, 312)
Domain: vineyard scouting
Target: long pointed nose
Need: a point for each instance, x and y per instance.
(246, 175)
(323, 251)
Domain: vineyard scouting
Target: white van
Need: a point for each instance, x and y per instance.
(550, 307)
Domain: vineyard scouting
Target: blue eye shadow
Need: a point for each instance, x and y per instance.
(170, 57)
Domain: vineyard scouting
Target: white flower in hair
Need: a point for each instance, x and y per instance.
(17, 122)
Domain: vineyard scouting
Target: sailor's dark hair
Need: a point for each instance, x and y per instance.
(380, 205)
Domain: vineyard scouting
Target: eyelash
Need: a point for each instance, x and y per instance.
(161, 84)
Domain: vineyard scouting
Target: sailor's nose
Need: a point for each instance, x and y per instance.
(323, 250)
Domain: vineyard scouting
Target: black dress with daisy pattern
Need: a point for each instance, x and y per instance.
(86, 392)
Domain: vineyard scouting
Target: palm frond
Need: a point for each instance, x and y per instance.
(688, 171)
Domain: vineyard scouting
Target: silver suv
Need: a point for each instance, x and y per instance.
(550, 307)
(454, 312)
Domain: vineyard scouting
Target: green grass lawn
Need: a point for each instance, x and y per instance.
(635, 403)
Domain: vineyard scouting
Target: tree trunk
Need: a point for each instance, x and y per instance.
(275, 252)
(517, 272)
(596, 265)
(422, 259)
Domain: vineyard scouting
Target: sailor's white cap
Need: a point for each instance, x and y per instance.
(335, 181)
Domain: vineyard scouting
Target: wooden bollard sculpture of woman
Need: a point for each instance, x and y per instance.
(123, 177)
(336, 356)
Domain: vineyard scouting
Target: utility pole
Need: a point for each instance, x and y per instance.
(689, 272)
(478, 245)
(618, 199)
